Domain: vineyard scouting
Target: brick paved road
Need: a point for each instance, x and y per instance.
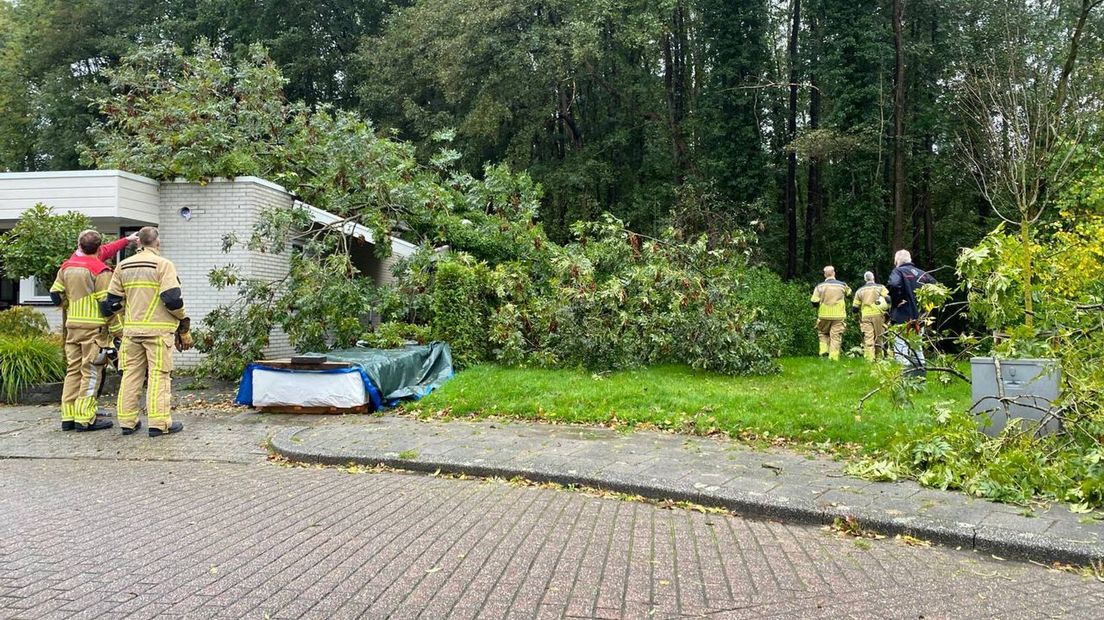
(113, 539)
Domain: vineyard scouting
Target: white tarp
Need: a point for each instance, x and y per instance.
(272, 388)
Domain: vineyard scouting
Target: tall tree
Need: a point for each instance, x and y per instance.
(851, 71)
(791, 131)
(732, 104)
(899, 179)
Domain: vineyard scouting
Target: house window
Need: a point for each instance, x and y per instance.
(127, 252)
(9, 288)
(32, 291)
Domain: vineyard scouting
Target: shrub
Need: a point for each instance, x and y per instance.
(611, 300)
(39, 242)
(459, 311)
(785, 305)
(23, 321)
(27, 361)
(1017, 466)
(392, 335)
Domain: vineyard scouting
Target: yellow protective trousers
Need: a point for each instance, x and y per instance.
(146, 359)
(85, 362)
(873, 331)
(830, 333)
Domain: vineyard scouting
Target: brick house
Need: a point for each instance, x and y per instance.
(192, 220)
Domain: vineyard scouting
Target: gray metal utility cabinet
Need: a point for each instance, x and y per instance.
(1014, 389)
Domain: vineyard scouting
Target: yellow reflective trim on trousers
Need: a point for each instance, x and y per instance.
(151, 393)
(155, 384)
(123, 415)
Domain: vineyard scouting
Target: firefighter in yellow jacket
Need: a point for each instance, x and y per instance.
(146, 290)
(830, 298)
(80, 286)
(872, 302)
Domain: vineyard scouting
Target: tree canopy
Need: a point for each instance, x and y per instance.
(839, 130)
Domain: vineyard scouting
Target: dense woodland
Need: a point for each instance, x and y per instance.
(837, 129)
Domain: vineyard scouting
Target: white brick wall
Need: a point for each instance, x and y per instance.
(195, 245)
(52, 314)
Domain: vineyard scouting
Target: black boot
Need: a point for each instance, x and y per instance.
(131, 431)
(96, 425)
(67, 425)
(175, 428)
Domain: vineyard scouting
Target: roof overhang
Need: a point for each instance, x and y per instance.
(399, 247)
(103, 195)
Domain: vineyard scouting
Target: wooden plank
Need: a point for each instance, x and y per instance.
(286, 363)
(295, 409)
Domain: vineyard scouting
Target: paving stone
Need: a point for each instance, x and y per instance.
(773, 484)
(214, 531)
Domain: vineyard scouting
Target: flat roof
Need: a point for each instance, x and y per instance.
(69, 174)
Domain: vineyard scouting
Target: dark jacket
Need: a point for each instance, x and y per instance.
(902, 285)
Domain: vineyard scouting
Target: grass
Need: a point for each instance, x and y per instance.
(811, 401)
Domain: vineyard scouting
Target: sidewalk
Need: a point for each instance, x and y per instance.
(776, 485)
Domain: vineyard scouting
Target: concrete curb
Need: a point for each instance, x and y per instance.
(998, 541)
(50, 393)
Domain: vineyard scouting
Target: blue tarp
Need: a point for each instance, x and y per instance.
(245, 388)
(389, 375)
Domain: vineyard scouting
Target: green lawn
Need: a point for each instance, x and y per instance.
(812, 401)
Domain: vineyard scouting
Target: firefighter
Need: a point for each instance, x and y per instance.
(871, 302)
(146, 290)
(830, 298)
(80, 286)
(904, 309)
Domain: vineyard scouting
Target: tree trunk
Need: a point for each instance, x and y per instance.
(791, 164)
(814, 203)
(922, 240)
(676, 83)
(898, 126)
(1087, 7)
(1026, 276)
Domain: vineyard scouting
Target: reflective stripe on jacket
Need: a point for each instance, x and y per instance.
(139, 282)
(82, 284)
(831, 296)
(868, 297)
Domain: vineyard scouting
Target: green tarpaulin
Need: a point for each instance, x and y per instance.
(410, 372)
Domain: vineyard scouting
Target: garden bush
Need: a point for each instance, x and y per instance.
(785, 305)
(392, 335)
(29, 360)
(23, 321)
(609, 300)
(458, 307)
(39, 242)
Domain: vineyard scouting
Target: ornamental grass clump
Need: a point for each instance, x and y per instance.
(26, 361)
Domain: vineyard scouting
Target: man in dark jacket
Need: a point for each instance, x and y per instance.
(904, 309)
